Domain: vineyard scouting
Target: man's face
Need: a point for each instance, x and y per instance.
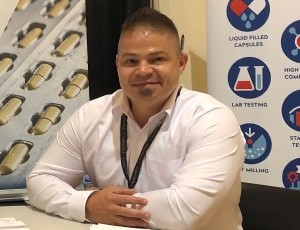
(149, 64)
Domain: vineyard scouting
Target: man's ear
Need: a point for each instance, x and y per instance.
(182, 61)
(116, 60)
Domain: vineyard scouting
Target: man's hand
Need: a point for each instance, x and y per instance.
(108, 206)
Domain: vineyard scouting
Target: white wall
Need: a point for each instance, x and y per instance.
(189, 17)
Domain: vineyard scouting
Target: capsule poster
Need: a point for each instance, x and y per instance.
(254, 68)
(43, 79)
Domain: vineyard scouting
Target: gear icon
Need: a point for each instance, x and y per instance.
(292, 176)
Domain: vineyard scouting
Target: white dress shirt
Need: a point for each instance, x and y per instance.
(190, 174)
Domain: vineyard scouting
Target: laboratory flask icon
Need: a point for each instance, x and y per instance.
(243, 81)
(249, 77)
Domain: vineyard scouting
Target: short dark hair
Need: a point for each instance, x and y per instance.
(148, 17)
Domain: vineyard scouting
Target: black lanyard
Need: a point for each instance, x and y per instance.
(123, 144)
(123, 149)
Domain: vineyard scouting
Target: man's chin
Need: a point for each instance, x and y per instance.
(145, 92)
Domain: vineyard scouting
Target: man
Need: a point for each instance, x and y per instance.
(159, 155)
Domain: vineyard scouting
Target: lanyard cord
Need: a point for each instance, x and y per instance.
(123, 149)
(137, 168)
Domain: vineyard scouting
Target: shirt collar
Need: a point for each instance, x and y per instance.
(171, 100)
(122, 102)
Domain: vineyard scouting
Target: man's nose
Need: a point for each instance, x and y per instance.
(144, 68)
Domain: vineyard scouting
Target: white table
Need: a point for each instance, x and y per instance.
(38, 220)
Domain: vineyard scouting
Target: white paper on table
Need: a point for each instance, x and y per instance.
(10, 222)
(14, 228)
(112, 227)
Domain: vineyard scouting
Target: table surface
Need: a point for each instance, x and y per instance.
(35, 219)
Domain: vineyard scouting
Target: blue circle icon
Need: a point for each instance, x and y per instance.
(248, 15)
(291, 110)
(290, 41)
(291, 175)
(258, 143)
(249, 77)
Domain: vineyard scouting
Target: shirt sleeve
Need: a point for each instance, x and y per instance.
(209, 177)
(52, 182)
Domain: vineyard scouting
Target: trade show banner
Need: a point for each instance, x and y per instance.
(43, 79)
(253, 67)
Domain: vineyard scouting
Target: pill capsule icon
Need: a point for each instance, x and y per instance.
(16, 156)
(82, 20)
(30, 37)
(41, 74)
(23, 4)
(9, 109)
(67, 45)
(77, 84)
(48, 118)
(58, 8)
(5, 65)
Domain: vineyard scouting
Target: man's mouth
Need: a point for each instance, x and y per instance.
(143, 84)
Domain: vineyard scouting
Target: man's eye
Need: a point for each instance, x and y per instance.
(157, 60)
(130, 62)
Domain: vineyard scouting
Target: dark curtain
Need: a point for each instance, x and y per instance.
(104, 19)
